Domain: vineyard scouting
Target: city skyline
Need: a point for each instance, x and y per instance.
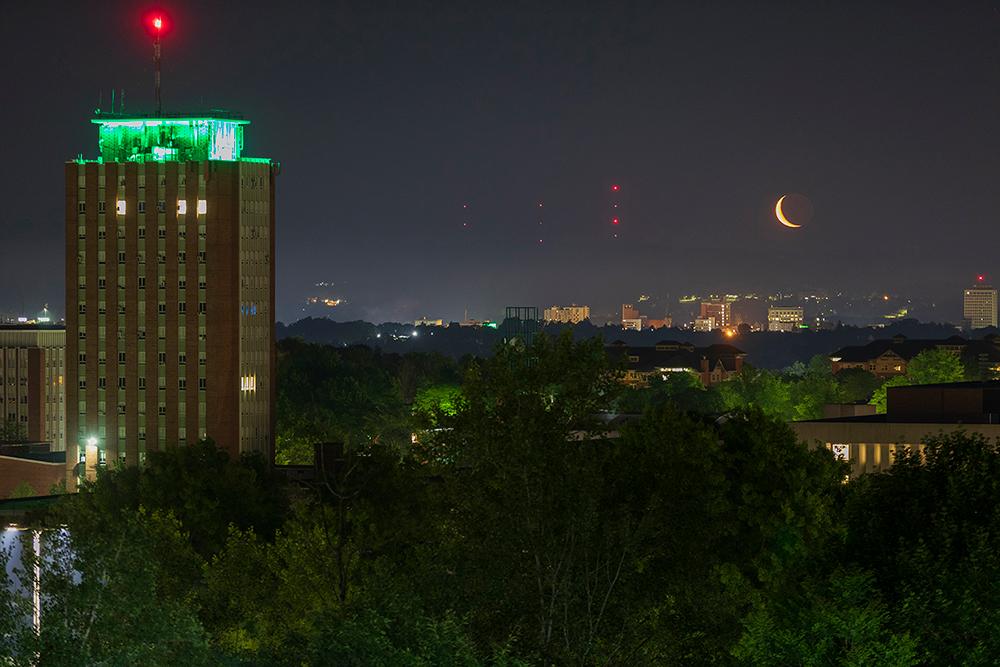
(427, 145)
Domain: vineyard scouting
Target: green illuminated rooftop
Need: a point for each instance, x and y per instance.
(216, 135)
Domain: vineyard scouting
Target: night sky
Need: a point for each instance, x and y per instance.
(388, 118)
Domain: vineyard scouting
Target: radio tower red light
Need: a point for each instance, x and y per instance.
(157, 23)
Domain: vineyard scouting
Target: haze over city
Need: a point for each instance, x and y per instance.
(417, 142)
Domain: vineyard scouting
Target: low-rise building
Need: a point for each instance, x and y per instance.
(705, 324)
(913, 414)
(889, 357)
(567, 314)
(712, 364)
(784, 318)
(427, 322)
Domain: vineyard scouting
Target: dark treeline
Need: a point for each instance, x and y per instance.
(764, 349)
(518, 529)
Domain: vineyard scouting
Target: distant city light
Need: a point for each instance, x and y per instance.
(414, 334)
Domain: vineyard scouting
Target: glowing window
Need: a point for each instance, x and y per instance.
(120, 207)
(248, 383)
(202, 207)
(182, 206)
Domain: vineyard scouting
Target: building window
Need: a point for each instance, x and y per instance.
(248, 383)
(142, 282)
(201, 256)
(121, 383)
(142, 232)
(181, 284)
(182, 383)
(162, 410)
(161, 206)
(202, 384)
(202, 307)
(142, 207)
(83, 383)
(161, 232)
(102, 283)
(121, 258)
(182, 256)
(182, 206)
(161, 308)
(181, 307)
(202, 207)
(83, 357)
(121, 357)
(101, 206)
(102, 383)
(120, 207)
(182, 359)
(162, 357)
(82, 309)
(142, 383)
(81, 207)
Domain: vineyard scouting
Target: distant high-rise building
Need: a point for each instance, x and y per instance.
(629, 312)
(567, 314)
(980, 305)
(782, 318)
(169, 290)
(718, 309)
(32, 382)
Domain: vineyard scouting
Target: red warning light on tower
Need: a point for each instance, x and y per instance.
(980, 278)
(615, 221)
(615, 187)
(157, 23)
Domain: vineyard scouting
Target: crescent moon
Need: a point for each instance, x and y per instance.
(781, 215)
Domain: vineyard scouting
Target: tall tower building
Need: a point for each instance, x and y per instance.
(979, 307)
(169, 290)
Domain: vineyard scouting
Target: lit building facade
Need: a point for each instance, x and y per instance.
(705, 324)
(567, 314)
(169, 290)
(979, 306)
(629, 312)
(784, 318)
(718, 309)
(32, 373)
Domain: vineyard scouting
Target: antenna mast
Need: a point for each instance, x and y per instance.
(157, 29)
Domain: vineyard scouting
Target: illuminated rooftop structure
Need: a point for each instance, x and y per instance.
(216, 135)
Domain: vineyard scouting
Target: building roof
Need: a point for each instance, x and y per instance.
(672, 354)
(907, 349)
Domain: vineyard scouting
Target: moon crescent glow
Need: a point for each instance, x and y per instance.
(781, 215)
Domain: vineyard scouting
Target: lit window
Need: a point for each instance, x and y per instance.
(202, 207)
(182, 206)
(248, 383)
(120, 207)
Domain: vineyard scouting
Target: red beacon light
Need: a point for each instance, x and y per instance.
(615, 221)
(980, 278)
(615, 187)
(157, 24)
